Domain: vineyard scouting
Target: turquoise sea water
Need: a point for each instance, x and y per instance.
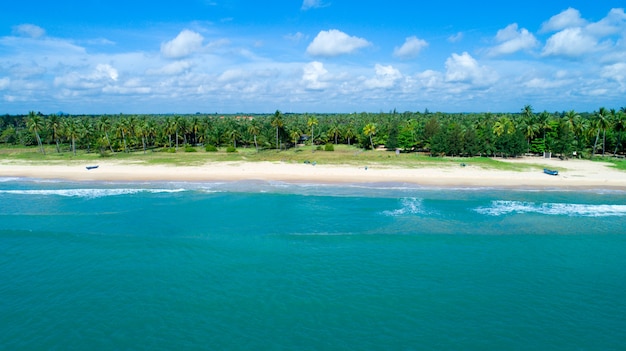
(275, 266)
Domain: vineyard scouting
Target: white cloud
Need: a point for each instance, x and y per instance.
(455, 38)
(576, 37)
(566, 19)
(616, 72)
(103, 74)
(4, 83)
(171, 68)
(186, 43)
(334, 42)
(386, 77)
(312, 4)
(570, 42)
(513, 40)
(430, 79)
(613, 23)
(29, 30)
(296, 37)
(314, 76)
(411, 48)
(465, 69)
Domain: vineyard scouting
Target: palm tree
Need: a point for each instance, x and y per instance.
(527, 112)
(254, 130)
(601, 123)
(312, 122)
(35, 124)
(86, 131)
(54, 124)
(104, 124)
(574, 121)
(277, 122)
(123, 127)
(234, 135)
(348, 133)
(72, 131)
(370, 130)
(503, 126)
(619, 125)
(295, 135)
(334, 130)
(544, 125)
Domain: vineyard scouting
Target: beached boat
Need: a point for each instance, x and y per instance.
(92, 167)
(550, 172)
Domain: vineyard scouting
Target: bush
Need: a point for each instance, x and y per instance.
(329, 147)
(210, 148)
(171, 150)
(189, 148)
(319, 148)
(231, 149)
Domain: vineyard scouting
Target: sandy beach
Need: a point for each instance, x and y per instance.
(574, 173)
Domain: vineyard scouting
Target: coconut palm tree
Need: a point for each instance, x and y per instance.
(295, 135)
(104, 125)
(601, 123)
(619, 125)
(503, 126)
(348, 133)
(234, 135)
(334, 131)
(54, 125)
(312, 122)
(369, 130)
(277, 122)
(123, 128)
(72, 131)
(36, 124)
(253, 129)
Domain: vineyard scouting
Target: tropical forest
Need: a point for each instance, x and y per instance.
(564, 134)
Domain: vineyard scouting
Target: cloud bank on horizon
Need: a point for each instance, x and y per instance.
(311, 57)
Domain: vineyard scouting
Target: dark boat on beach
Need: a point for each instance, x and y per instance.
(92, 167)
(550, 172)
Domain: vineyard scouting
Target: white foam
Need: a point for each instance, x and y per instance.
(409, 205)
(500, 207)
(87, 193)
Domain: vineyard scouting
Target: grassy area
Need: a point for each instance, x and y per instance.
(342, 155)
(616, 163)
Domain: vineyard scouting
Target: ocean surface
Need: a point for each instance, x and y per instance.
(277, 266)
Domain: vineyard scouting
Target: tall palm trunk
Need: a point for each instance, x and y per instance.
(124, 138)
(106, 134)
(595, 144)
(256, 146)
(40, 143)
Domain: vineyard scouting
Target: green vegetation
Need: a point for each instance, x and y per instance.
(411, 138)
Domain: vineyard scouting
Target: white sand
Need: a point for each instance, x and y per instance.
(579, 174)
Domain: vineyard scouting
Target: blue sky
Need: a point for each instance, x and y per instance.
(229, 56)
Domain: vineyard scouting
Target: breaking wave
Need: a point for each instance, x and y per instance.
(409, 205)
(87, 193)
(500, 207)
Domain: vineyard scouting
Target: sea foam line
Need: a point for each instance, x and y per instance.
(501, 207)
(87, 193)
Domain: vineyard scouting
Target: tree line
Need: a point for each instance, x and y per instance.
(566, 134)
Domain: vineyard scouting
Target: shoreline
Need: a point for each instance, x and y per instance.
(575, 174)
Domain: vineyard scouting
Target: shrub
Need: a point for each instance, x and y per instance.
(329, 147)
(189, 148)
(171, 150)
(319, 148)
(231, 149)
(210, 148)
